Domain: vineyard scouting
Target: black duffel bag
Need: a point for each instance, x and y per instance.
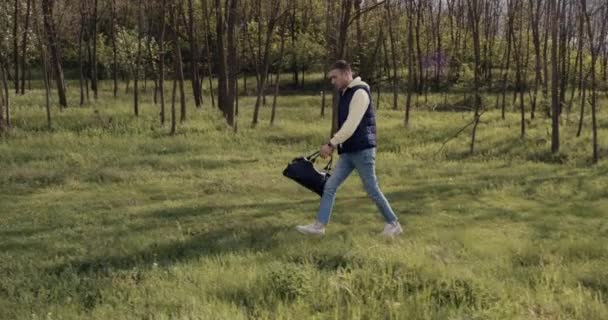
(303, 171)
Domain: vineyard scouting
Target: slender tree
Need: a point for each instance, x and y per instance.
(52, 41)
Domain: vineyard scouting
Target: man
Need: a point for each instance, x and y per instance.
(356, 144)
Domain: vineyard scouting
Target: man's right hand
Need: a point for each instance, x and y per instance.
(326, 151)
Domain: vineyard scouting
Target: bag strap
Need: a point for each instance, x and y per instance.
(328, 166)
(313, 156)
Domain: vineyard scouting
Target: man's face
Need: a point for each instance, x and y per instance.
(340, 79)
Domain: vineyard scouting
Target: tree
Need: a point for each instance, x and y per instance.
(193, 56)
(45, 67)
(94, 62)
(179, 73)
(138, 59)
(2, 102)
(226, 57)
(16, 46)
(264, 63)
(509, 35)
(389, 16)
(279, 69)
(554, 13)
(81, 34)
(161, 61)
(535, 18)
(207, 33)
(595, 45)
(411, 66)
(52, 41)
(475, 7)
(24, 45)
(114, 49)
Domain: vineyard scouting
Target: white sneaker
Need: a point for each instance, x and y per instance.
(392, 229)
(315, 228)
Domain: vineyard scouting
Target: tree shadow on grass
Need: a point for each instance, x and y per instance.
(207, 209)
(231, 240)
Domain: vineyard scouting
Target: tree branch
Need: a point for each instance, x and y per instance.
(459, 132)
(362, 12)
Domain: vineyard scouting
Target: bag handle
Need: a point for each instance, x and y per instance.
(328, 166)
(314, 157)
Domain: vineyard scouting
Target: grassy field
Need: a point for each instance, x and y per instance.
(109, 217)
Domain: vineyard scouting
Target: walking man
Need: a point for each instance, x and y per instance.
(356, 145)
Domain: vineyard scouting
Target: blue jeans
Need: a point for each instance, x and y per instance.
(364, 162)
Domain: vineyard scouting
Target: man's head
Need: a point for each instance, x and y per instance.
(340, 74)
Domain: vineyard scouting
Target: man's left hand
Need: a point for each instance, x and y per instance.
(326, 151)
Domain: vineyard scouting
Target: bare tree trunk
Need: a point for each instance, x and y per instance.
(24, 47)
(525, 67)
(45, 67)
(266, 60)
(88, 70)
(245, 90)
(547, 28)
(236, 97)
(80, 52)
(179, 72)
(535, 14)
(114, 49)
(94, 63)
(509, 34)
(7, 101)
(47, 88)
(138, 58)
(193, 57)
(221, 58)
(161, 62)
(605, 65)
(421, 79)
(439, 60)
(2, 125)
(578, 66)
(385, 69)
(518, 44)
(371, 63)
(393, 55)
(411, 64)
(563, 72)
(594, 54)
(206, 15)
(232, 61)
(583, 103)
(323, 104)
(474, 16)
(173, 113)
(152, 67)
(16, 46)
(345, 14)
(294, 34)
(554, 76)
(278, 77)
(49, 26)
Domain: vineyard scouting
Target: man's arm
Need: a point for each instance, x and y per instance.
(358, 107)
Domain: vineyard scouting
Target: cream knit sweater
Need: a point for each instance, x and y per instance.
(356, 111)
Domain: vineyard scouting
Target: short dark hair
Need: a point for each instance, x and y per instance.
(341, 65)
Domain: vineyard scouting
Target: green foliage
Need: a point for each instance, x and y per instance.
(306, 52)
(126, 44)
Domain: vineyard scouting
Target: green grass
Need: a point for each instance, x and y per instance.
(119, 220)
